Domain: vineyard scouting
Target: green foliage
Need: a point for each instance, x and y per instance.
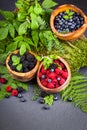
(49, 99)
(8, 15)
(3, 33)
(15, 60)
(22, 49)
(36, 91)
(68, 15)
(47, 4)
(77, 90)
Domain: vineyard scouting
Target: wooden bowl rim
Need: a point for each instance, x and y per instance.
(62, 86)
(69, 6)
(20, 73)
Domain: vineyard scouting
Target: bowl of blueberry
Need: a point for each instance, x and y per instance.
(22, 67)
(68, 22)
(56, 77)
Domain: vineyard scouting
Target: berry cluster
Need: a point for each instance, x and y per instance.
(55, 76)
(27, 60)
(15, 92)
(65, 25)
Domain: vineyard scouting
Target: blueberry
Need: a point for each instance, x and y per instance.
(43, 94)
(7, 96)
(58, 79)
(23, 99)
(20, 90)
(41, 100)
(46, 107)
(51, 70)
(19, 95)
(56, 97)
(43, 76)
(49, 80)
(70, 99)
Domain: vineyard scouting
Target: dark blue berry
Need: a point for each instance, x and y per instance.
(46, 107)
(23, 99)
(7, 96)
(41, 100)
(19, 95)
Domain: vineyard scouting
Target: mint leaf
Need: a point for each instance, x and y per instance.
(22, 49)
(19, 67)
(21, 15)
(23, 28)
(7, 14)
(15, 60)
(11, 30)
(48, 4)
(11, 47)
(3, 23)
(3, 33)
(66, 17)
(38, 9)
(35, 37)
(16, 24)
(34, 22)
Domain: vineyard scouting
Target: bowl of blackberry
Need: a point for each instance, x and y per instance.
(22, 67)
(55, 78)
(68, 22)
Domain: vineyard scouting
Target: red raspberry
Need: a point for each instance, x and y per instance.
(3, 80)
(54, 81)
(50, 85)
(48, 71)
(40, 74)
(65, 75)
(9, 89)
(43, 71)
(52, 75)
(44, 83)
(62, 81)
(14, 92)
(57, 85)
(58, 71)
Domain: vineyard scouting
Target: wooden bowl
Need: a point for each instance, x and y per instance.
(63, 86)
(24, 77)
(71, 35)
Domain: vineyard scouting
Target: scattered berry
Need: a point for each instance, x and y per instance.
(46, 107)
(41, 100)
(7, 96)
(3, 80)
(9, 89)
(19, 95)
(23, 99)
(14, 92)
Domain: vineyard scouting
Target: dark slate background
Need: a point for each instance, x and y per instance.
(15, 115)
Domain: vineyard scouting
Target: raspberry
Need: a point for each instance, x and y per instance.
(52, 75)
(62, 81)
(62, 65)
(55, 81)
(58, 71)
(44, 83)
(50, 85)
(3, 80)
(65, 75)
(43, 71)
(9, 89)
(14, 92)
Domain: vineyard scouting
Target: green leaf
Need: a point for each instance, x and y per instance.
(11, 47)
(34, 22)
(30, 9)
(3, 23)
(3, 33)
(11, 30)
(22, 49)
(19, 67)
(3, 69)
(66, 17)
(7, 14)
(15, 60)
(38, 9)
(21, 15)
(35, 37)
(49, 99)
(48, 4)
(23, 28)
(16, 24)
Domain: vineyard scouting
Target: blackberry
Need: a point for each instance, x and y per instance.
(41, 101)
(53, 66)
(25, 63)
(22, 58)
(20, 90)
(26, 69)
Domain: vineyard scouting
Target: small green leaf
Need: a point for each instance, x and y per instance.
(35, 37)
(3, 33)
(7, 14)
(21, 15)
(38, 9)
(15, 60)
(19, 67)
(3, 23)
(11, 30)
(66, 17)
(23, 28)
(48, 4)
(11, 47)
(34, 22)
(22, 49)
(16, 24)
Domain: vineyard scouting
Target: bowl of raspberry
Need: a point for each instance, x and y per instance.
(56, 77)
(68, 22)
(28, 63)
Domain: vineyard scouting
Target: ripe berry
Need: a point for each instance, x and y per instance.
(3, 80)
(62, 81)
(65, 75)
(9, 89)
(50, 85)
(14, 92)
(52, 75)
(44, 83)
